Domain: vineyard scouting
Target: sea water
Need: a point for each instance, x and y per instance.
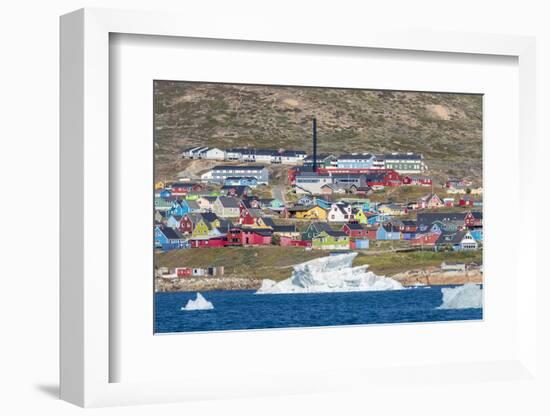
(237, 310)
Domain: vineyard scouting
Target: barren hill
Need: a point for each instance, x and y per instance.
(446, 128)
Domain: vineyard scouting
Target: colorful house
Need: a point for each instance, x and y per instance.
(162, 205)
(167, 238)
(313, 212)
(330, 240)
(354, 230)
(340, 213)
(388, 232)
(314, 229)
(430, 201)
(466, 201)
(359, 216)
(174, 222)
(427, 239)
(248, 236)
(165, 194)
(477, 233)
(207, 241)
(226, 206)
(458, 241)
(393, 209)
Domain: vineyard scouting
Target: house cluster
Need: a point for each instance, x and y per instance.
(404, 163)
(323, 181)
(245, 220)
(245, 155)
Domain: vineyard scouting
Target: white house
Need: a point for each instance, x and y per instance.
(212, 153)
(340, 213)
(311, 182)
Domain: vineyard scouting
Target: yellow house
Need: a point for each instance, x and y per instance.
(314, 212)
(392, 209)
(160, 185)
(360, 217)
(201, 229)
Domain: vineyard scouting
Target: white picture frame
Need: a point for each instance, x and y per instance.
(85, 211)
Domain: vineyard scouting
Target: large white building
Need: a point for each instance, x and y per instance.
(220, 173)
(405, 162)
(311, 182)
(204, 152)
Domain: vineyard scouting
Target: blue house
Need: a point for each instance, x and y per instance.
(165, 194)
(305, 201)
(174, 222)
(388, 232)
(378, 219)
(181, 207)
(167, 238)
(322, 203)
(477, 233)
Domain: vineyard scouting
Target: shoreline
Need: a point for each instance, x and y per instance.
(410, 278)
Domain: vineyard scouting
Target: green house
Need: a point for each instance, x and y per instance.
(330, 240)
(314, 229)
(162, 205)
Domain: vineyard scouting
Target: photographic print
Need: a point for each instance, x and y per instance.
(290, 206)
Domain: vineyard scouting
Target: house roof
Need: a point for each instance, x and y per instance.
(269, 222)
(284, 228)
(431, 217)
(354, 226)
(229, 202)
(247, 167)
(320, 226)
(451, 238)
(170, 233)
(334, 233)
(402, 156)
(367, 156)
(302, 208)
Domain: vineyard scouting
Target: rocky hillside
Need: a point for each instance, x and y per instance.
(446, 128)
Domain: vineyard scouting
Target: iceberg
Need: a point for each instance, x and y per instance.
(329, 274)
(199, 304)
(467, 296)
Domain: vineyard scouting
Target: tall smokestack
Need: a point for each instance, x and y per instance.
(314, 144)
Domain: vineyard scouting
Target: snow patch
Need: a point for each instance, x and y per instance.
(330, 274)
(467, 296)
(199, 304)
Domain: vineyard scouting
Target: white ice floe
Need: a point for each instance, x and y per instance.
(467, 296)
(199, 304)
(329, 274)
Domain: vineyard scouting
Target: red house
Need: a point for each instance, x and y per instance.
(355, 230)
(207, 242)
(417, 180)
(183, 188)
(249, 216)
(466, 201)
(248, 237)
(290, 242)
(428, 239)
(184, 272)
(473, 219)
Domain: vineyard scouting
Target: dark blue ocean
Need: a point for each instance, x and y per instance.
(235, 310)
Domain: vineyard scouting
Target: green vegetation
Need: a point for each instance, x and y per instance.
(267, 262)
(274, 262)
(446, 128)
(392, 263)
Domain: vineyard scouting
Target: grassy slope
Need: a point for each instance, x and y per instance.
(275, 262)
(446, 128)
